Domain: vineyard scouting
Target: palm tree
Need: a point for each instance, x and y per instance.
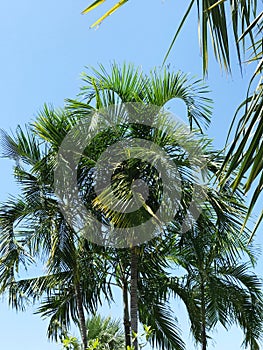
(32, 226)
(127, 85)
(123, 85)
(38, 206)
(219, 280)
(34, 229)
(140, 271)
(245, 152)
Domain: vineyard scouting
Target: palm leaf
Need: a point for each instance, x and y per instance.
(166, 334)
(107, 14)
(93, 6)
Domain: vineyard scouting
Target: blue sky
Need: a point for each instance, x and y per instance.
(44, 48)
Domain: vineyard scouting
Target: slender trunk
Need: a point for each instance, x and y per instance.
(134, 297)
(126, 315)
(82, 322)
(203, 311)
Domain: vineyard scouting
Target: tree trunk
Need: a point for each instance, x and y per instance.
(203, 310)
(82, 322)
(126, 314)
(134, 297)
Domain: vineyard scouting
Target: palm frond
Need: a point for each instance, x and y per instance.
(22, 146)
(166, 334)
(108, 13)
(106, 330)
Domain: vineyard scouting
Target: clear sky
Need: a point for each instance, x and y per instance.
(44, 48)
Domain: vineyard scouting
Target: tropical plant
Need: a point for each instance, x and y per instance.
(122, 86)
(70, 343)
(217, 276)
(33, 226)
(245, 152)
(33, 229)
(126, 85)
(38, 208)
(105, 332)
